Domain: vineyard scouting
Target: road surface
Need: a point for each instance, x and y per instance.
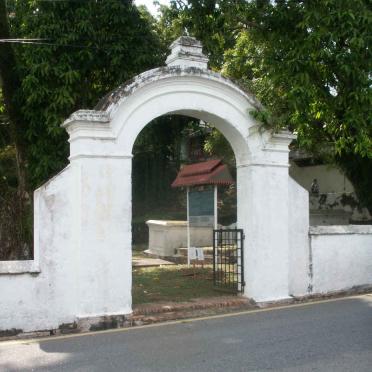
(327, 336)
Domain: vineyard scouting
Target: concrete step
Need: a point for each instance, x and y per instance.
(181, 256)
(149, 262)
(208, 251)
(182, 259)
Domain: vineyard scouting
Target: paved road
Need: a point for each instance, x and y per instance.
(330, 336)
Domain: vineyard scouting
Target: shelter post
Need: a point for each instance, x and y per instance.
(215, 207)
(188, 226)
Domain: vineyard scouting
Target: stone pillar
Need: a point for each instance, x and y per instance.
(263, 213)
(102, 221)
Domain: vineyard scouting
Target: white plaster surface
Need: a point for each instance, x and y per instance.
(298, 228)
(341, 257)
(103, 235)
(33, 301)
(19, 267)
(263, 214)
(340, 230)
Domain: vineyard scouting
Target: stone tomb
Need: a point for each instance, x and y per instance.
(166, 236)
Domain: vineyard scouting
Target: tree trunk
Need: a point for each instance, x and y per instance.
(11, 84)
(359, 171)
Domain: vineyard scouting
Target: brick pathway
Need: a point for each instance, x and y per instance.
(166, 311)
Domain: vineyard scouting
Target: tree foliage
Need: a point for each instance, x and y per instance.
(309, 62)
(86, 49)
(317, 58)
(73, 53)
(156, 162)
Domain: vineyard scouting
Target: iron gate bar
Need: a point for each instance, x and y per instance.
(228, 264)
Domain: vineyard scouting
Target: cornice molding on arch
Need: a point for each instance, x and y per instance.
(121, 115)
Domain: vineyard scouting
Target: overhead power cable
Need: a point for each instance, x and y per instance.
(42, 42)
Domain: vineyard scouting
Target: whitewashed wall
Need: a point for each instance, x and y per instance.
(104, 239)
(266, 247)
(340, 257)
(40, 294)
(325, 259)
(330, 178)
(298, 228)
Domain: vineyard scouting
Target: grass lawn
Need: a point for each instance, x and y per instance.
(138, 250)
(172, 283)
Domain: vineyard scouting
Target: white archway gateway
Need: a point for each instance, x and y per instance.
(82, 249)
(101, 144)
(82, 265)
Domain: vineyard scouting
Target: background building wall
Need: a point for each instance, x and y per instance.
(41, 294)
(330, 178)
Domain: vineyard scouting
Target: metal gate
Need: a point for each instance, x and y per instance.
(228, 264)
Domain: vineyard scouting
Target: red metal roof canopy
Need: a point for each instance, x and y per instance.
(211, 172)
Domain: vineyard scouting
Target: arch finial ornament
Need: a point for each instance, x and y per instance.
(187, 51)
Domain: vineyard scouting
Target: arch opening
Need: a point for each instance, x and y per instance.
(202, 94)
(162, 147)
(196, 96)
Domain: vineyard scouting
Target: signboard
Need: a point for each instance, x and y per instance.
(196, 254)
(201, 208)
(202, 212)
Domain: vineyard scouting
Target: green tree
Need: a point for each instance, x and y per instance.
(156, 162)
(309, 62)
(76, 52)
(90, 48)
(13, 198)
(207, 20)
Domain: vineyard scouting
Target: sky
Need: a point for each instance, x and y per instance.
(150, 5)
